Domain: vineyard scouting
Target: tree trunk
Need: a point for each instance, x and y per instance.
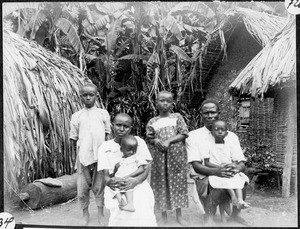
(286, 174)
(38, 195)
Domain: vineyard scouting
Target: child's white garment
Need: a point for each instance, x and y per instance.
(143, 198)
(128, 165)
(220, 154)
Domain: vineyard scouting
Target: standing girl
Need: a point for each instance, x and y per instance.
(166, 134)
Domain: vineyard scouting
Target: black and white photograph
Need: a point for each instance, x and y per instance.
(149, 114)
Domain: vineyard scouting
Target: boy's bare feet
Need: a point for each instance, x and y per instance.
(101, 219)
(86, 217)
(128, 207)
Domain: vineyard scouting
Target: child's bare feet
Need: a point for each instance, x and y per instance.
(164, 219)
(122, 203)
(181, 221)
(209, 222)
(86, 217)
(101, 219)
(223, 219)
(179, 218)
(242, 205)
(128, 207)
(234, 201)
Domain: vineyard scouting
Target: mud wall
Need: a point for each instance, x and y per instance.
(241, 49)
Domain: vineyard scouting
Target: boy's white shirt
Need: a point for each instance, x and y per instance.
(88, 126)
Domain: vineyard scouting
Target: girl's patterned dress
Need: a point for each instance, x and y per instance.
(169, 169)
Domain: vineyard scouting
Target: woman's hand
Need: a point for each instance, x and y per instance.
(230, 166)
(166, 144)
(224, 171)
(159, 144)
(233, 168)
(128, 184)
(115, 182)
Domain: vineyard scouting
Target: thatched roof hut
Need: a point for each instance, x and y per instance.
(274, 66)
(261, 26)
(272, 73)
(41, 91)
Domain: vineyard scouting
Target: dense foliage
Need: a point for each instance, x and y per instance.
(261, 159)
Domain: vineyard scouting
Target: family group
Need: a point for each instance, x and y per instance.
(131, 177)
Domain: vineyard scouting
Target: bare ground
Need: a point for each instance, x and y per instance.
(268, 209)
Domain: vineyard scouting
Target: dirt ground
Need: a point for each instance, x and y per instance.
(268, 209)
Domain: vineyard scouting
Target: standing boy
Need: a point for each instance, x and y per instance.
(89, 129)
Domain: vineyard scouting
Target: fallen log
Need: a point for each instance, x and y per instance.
(49, 191)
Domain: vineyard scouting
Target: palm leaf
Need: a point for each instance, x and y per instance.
(112, 35)
(175, 28)
(36, 22)
(180, 53)
(198, 7)
(71, 33)
(133, 57)
(9, 7)
(110, 8)
(194, 28)
(93, 28)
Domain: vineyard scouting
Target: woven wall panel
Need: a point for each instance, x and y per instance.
(282, 101)
(261, 124)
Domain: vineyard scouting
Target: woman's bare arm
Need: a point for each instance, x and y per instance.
(131, 183)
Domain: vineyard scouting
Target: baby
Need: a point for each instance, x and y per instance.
(130, 166)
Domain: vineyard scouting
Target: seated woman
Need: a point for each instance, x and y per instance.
(143, 199)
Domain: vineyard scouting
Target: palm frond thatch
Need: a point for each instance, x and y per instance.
(41, 91)
(274, 65)
(262, 26)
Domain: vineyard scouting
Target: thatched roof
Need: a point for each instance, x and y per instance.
(41, 91)
(261, 25)
(274, 65)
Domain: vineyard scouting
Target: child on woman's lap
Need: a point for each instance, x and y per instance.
(221, 155)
